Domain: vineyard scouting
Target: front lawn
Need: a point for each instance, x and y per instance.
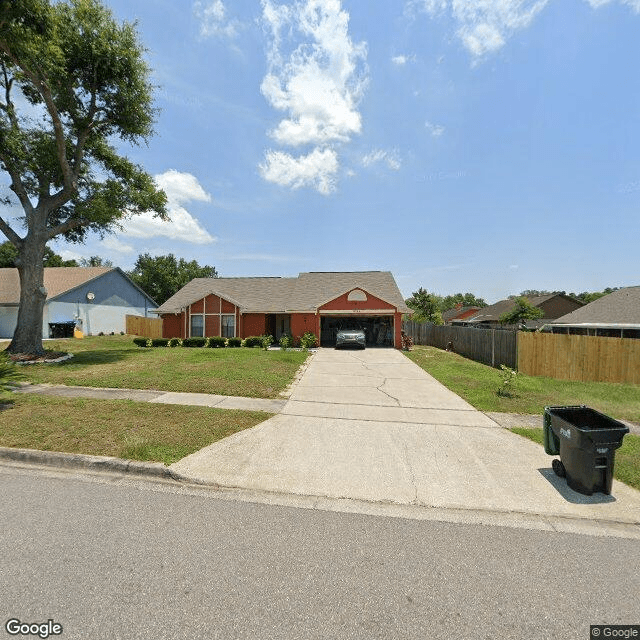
(478, 383)
(627, 462)
(114, 361)
(120, 428)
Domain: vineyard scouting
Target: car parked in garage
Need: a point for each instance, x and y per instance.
(350, 338)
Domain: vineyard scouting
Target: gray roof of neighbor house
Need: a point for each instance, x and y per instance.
(493, 312)
(620, 307)
(57, 280)
(285, 295)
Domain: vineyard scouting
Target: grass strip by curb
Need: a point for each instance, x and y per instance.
(118, 428)
(627, 462)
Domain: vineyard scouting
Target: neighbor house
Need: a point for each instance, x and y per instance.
(316, 302)
(459, 313)
(615, 315)
(96, 298)
(553, 306)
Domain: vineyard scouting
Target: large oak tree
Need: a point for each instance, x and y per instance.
(73, 83)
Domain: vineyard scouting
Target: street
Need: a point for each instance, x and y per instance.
(119, 558)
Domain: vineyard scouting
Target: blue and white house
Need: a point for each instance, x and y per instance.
(96, 298)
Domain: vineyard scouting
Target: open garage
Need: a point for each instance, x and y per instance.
(378, 329)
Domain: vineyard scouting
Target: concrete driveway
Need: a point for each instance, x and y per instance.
(371, 425)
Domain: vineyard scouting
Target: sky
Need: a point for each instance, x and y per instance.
(488, 146)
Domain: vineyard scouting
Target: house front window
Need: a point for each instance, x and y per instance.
(228, 326)
(197, 326)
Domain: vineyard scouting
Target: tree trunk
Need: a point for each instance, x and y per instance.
(28, 334)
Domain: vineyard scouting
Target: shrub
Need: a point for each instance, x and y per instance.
(509, 382)
(193, 342)
(308, 340)
(234, 342)
(159, 342)
(286, 341)
(175, 342)
(141, 342)
(253, 341)
(266, 341)
(216, 342)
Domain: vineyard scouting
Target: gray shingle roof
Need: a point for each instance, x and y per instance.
(285, 295)
(619, 307)
(57, 280)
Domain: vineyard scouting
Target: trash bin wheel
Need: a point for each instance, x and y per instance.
(558, 468)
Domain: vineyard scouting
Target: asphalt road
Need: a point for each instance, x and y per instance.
(127, 559)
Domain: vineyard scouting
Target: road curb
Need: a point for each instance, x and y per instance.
(89, 463)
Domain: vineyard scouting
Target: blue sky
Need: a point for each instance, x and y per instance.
(465, 145)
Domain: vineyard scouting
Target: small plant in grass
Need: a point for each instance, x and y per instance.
(509, 378)
(141, 342)
(308, 340)
(253, 341)
(216, 342)
(159, 342)
(286, 341)
(234, 342)
(175, 342)
(266, 341)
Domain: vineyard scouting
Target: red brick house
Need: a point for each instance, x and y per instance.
(319, 302)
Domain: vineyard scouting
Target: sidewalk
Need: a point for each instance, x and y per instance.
(158, 397)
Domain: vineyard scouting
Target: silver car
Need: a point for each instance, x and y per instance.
(350, 337)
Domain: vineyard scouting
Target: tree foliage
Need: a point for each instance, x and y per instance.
(464, 299)
(522, 311)
(426, 306)
(95, 261)
(161, 277)
(73, 82)
(8, 255)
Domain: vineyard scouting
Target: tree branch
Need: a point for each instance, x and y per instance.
(66, 226)
(17, 187)
(15, 239)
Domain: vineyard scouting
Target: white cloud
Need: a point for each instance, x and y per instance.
(213, 19)
(634, 4)
(316, 76)
(436, 130)
(390, 158)
(484, 25)
(112, 243)
(402, 59)
(181, 188)
(318, 169)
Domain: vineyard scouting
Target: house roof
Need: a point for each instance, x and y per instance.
(57, 280)
(306, 292)
(493, 312)
(619, 307)
(459, 312)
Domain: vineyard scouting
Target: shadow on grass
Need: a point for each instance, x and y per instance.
(97, 357)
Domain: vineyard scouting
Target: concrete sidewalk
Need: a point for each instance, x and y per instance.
(158, 397)
(372, 426)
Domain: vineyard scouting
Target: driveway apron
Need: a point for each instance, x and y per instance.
(371, 425)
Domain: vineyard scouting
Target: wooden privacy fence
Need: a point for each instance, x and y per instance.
(582, 358)
(145, 327)
(489, 346)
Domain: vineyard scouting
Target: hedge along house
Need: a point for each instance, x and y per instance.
(316, 302)
(97, 299)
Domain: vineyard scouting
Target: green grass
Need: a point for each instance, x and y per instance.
(114, 361)
(627, 462)
(478, 383)
(120, 428)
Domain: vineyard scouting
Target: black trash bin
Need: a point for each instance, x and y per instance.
(586, 441)
(62, 329)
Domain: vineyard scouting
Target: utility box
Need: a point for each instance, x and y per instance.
(586, 441)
